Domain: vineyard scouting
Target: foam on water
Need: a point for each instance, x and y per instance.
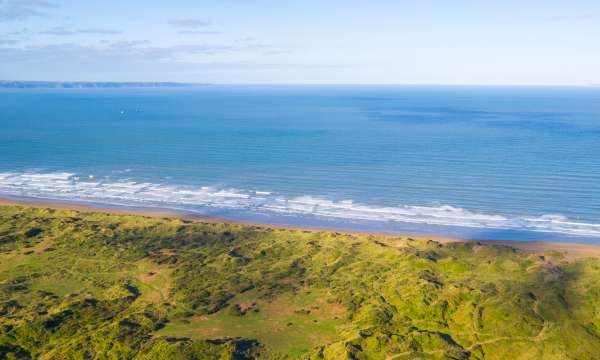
(69, 186)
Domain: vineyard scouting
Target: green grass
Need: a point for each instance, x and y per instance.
(91, 285)
(287, 324)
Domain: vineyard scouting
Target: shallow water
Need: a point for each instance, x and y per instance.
(478, 162)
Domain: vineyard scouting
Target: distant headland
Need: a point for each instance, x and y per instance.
(88, 84)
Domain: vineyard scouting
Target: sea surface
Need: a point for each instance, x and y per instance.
(478, 162)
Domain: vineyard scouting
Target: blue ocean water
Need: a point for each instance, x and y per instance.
(479, 162)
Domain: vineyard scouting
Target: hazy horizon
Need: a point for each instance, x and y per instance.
(109, 81)
(268, 42)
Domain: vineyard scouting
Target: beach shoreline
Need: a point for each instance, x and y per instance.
(572, 251)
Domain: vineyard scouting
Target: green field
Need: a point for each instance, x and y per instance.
(98, 286)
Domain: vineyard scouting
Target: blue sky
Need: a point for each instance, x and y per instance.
(283, 41)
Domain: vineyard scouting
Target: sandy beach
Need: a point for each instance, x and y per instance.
(572, 251)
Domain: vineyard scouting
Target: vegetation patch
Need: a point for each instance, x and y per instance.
(91, 285)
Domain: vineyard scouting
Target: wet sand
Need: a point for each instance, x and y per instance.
(572, 251)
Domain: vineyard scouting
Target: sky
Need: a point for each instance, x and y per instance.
(485, 42)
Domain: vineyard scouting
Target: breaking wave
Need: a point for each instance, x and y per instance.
(69, 186)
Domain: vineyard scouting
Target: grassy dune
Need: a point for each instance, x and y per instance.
(92, 285)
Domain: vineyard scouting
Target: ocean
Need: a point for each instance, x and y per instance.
(520, 163)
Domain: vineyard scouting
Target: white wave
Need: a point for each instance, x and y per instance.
(68, 186)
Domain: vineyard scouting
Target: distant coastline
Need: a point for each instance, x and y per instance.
(7, 84)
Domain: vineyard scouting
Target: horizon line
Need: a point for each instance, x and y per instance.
(4, 82)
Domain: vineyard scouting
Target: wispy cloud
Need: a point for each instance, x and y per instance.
(136, 61)
(22, 32)
(578, 17)
(61, 31)
(14, 37)
(129, 56)
(189, 23)
(121, 51)
(277, 52)
(198, 32)
(16, 10)
(99, 31)
(128, 43)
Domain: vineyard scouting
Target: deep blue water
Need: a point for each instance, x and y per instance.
(479, 162)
